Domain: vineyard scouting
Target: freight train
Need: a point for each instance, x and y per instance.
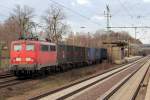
(30, 56)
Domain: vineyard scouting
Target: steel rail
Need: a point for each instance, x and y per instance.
(65, 87)
(107, 95)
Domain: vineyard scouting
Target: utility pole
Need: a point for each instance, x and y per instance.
(108, 16)
(135, 31)
(135, 28)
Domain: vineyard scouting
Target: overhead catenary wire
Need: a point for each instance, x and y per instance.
(118, 10)
(132, 16)
(127, 11)
(5, 7)
(75, 12)
(4, 15)
(125, 8)
(71, 10)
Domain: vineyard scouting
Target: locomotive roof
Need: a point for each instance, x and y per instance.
(33, 41)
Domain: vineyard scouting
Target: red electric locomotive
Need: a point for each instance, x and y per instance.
(28, 56)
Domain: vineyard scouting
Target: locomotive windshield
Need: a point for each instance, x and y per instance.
(52, 48)
(17, 47)
(30, 47)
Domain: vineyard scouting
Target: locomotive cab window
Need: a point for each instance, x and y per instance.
(30, 47)
(44, 47)
(52, 48)
(17, 47)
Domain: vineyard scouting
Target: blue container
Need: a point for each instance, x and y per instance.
(91, 55)
(104, 53)
(101, 54)
(98, 54)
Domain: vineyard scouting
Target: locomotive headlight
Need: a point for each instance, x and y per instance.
(18, 59)
(29, 59)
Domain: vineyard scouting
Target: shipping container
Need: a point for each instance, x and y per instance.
(97, 54)
(70, 54)
(91, 55)
(103, 53)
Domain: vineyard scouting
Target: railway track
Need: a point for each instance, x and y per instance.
(8, 80)
(5, 75)
(143, 87)
(12, 81)
(129, 87)
(130, 82)
(74, 90)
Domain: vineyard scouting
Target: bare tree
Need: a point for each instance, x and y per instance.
(99, 37)
(55, 26)
(80, 39)
(23, 18)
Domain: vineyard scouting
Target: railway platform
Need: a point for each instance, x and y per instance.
(96, 88)
(147, 97)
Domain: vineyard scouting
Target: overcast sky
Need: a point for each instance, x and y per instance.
(124, 13)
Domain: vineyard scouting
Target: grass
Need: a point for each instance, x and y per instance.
(4, 61)
(4, 64)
